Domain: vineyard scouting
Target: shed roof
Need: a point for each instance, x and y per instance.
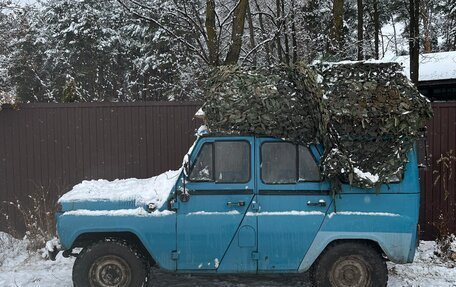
(433, 66)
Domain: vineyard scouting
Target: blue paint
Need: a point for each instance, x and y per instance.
(277, 228)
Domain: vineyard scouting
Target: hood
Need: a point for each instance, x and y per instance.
(120, 193)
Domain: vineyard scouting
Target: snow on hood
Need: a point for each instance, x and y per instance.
(143, 191)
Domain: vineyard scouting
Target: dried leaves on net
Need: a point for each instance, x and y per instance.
(367, 115)
(275, 101)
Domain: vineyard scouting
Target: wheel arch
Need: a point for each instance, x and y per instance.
(368, 242)
(85, 239)
(396, 246)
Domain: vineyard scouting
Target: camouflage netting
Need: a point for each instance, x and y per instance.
(374, 115)
(367, 115)
(272, 101)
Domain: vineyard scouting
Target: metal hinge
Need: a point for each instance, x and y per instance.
(255, 255)
(174, 255)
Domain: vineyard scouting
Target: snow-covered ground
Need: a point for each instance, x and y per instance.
(19, 268)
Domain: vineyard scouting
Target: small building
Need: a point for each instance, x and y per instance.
(437, 74)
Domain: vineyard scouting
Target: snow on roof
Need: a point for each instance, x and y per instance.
(433, 66)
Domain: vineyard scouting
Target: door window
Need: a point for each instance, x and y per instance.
(283, 162)
(223, 162)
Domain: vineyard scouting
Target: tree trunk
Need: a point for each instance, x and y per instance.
(263, 34)
(377, 29)
(396, 52)
(279, 42)
(294, 42)
(338, 23)
(236, 33)
(252, 33)
(211, 33)
(285, 34)
(426, 15)
(360, 30)
(414, 40)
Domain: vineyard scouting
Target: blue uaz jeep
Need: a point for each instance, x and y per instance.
(241, 204)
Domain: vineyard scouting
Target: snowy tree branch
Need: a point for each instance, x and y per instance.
(170, 32)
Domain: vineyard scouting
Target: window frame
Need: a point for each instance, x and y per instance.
(214, 180)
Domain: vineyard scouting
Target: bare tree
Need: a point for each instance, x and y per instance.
(237, 31)
(360, 29)
(426, 15)
(337, 29)
(205, 27)
(414, 39)
(376, 29)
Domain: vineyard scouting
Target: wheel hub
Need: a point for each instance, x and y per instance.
(110, 271)
(350, 271)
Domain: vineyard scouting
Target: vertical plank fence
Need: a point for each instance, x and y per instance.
(438, 188)
(51, 147)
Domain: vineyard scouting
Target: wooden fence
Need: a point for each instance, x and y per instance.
(51, 147)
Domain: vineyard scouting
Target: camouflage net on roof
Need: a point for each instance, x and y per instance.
(274, 101)
(367, 115)
(374, 115)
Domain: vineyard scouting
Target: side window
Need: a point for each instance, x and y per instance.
(232, 162)
(223, 162)
(283, 162)
(278, 162)
(203, 169)
(308, 169)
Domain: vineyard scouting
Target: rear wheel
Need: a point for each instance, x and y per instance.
(350, 264)
(110, 264)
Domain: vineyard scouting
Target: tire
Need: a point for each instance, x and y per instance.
(110, 264)
(350, 264)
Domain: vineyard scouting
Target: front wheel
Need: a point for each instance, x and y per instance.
(109, 264)
(350, 264)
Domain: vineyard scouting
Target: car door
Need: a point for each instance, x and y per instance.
(220, 185)
(292, 203)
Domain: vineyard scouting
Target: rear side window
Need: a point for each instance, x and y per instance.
(308, 169)
(283, 162)
(223, 162)
(278, 163)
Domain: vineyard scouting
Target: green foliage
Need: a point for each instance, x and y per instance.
(69, 92)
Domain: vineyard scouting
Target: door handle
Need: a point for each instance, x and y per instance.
(321, 202)
(239, 203)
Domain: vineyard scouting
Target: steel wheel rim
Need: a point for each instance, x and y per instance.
(110, 271)
(350, 271)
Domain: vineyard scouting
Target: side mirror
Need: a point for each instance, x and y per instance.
(186, 169)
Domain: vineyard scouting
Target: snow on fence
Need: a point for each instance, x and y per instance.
(48, 148)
